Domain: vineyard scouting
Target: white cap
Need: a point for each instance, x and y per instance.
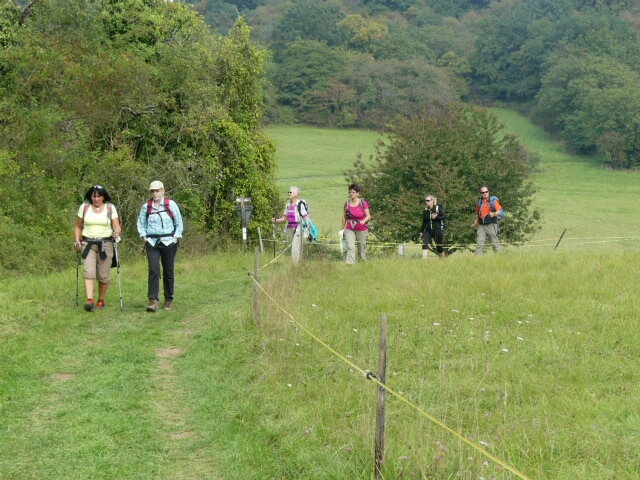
(156, 185)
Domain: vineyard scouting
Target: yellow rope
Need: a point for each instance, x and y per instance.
(368, 375)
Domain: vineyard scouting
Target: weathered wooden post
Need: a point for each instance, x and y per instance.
(381, 408)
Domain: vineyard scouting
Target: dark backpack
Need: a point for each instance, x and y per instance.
(347, 214)
(443, 221)
(311, 228)
(492, 204)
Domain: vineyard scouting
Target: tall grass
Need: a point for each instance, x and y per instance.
(530, 355)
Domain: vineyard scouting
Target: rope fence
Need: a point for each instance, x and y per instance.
(366, 373)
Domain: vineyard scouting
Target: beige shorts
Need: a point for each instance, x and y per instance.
(94, 266)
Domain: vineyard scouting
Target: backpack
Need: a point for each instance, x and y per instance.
(115, 261)
(109, 212)
(311, 228)
(346, 208)
(492, 205)
(167, 209)
(443, 222)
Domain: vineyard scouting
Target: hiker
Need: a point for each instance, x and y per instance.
(160, 226)
(433, 220)
(294, 212)
(96, 229)
(355, 224)
(488, 213)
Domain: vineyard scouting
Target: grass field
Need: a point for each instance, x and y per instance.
(315, 159)
(522, 365)
(594, 204)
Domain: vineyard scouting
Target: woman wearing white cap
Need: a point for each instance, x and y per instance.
(160, 226)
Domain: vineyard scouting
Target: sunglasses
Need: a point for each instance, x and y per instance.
(428, 199)
(484, 192)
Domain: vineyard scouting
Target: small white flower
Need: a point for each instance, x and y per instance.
(436, 324)
(289, 385)
(520, 338)
(506, 350)
(314, 305)
(457, 311)
(355, 329)
(297, 344)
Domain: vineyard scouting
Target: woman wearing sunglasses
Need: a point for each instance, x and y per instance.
(295, 211)
(96, 229)
(433, 222)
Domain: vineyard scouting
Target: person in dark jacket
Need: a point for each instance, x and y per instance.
(433, 227)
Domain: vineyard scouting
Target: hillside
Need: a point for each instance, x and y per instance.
(565, 183)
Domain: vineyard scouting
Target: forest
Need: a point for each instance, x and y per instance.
(571, 65)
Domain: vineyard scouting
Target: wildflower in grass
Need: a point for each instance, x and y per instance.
(457, 311)
(520, 338)
(506, 350)
(436, 324)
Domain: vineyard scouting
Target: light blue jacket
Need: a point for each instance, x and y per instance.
(158, 226)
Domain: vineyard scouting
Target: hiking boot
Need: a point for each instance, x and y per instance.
(153, 306)
(168, 304)
(100, 304)
(90, 306)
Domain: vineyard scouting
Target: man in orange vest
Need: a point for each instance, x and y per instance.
(488, 212)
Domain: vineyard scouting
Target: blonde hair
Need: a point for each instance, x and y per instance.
(432, 197)
(298, 191)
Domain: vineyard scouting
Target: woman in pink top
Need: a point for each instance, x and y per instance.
(355, 224)
(293, 214)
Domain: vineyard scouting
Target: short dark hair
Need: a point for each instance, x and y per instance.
(354, 186)
(97, 188)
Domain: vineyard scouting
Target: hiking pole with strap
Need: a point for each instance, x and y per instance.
(274, 239)
(78, 279)
(115, 252)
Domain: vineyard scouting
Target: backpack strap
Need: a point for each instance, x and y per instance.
(167, 209)
(109, 212)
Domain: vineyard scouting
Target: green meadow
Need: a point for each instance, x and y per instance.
(594, 204)
(520, 365)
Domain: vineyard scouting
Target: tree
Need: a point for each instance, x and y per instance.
(448, 153)
(118, 93)
(315, 20)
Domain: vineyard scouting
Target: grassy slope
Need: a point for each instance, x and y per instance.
(577, 193)
(532, 355)
(593, 203)
(315, 160)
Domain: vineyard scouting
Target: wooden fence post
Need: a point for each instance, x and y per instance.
(381, 408)
(256, 290)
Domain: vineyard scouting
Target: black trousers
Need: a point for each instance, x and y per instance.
(436, 236)
(165, 254)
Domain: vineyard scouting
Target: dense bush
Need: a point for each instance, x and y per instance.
(121, 93)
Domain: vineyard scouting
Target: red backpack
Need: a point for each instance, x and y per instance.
(167, 209)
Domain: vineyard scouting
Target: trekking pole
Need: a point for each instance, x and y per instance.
(78, 280)
(115, 252)
(274, 239)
